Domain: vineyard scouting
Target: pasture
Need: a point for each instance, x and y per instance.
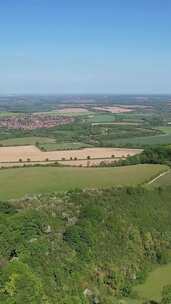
(20, 141)
(163, 139)
(15, 183)
(63, 146)
(6, 113)
(101, 118)
(130, 117)
(166, 130)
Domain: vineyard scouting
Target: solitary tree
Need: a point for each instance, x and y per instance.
(88, 163)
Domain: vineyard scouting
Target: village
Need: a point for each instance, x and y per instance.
(33, 121)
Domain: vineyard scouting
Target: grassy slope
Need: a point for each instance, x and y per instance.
(145, 140)
(26, 141)
(18, 182)
(64, 146)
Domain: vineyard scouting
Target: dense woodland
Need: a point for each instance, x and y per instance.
(82, 246)
(150, 155)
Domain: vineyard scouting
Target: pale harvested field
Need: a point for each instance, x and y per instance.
(13, 154)
(114, 110)
(72, 110)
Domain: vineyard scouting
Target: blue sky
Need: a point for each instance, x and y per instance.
(111, 46)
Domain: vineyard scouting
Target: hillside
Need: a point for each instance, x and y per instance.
(82, 246)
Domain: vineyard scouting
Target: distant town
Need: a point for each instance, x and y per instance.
(33, 121)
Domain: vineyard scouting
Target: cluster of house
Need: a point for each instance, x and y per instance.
(33, 121)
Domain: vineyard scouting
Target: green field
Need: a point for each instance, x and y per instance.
(20, 141)
(15, 183)
(157, 279)
(63, 146)
(101, 117)
(166, 130)
(109, 117)
(5, 113)
(145, 140)
(160, 139)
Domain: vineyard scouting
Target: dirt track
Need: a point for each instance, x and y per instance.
(14, 154)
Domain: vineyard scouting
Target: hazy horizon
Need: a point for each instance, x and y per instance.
(107, 47)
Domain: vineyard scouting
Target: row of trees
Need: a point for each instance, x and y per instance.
(47, 159)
